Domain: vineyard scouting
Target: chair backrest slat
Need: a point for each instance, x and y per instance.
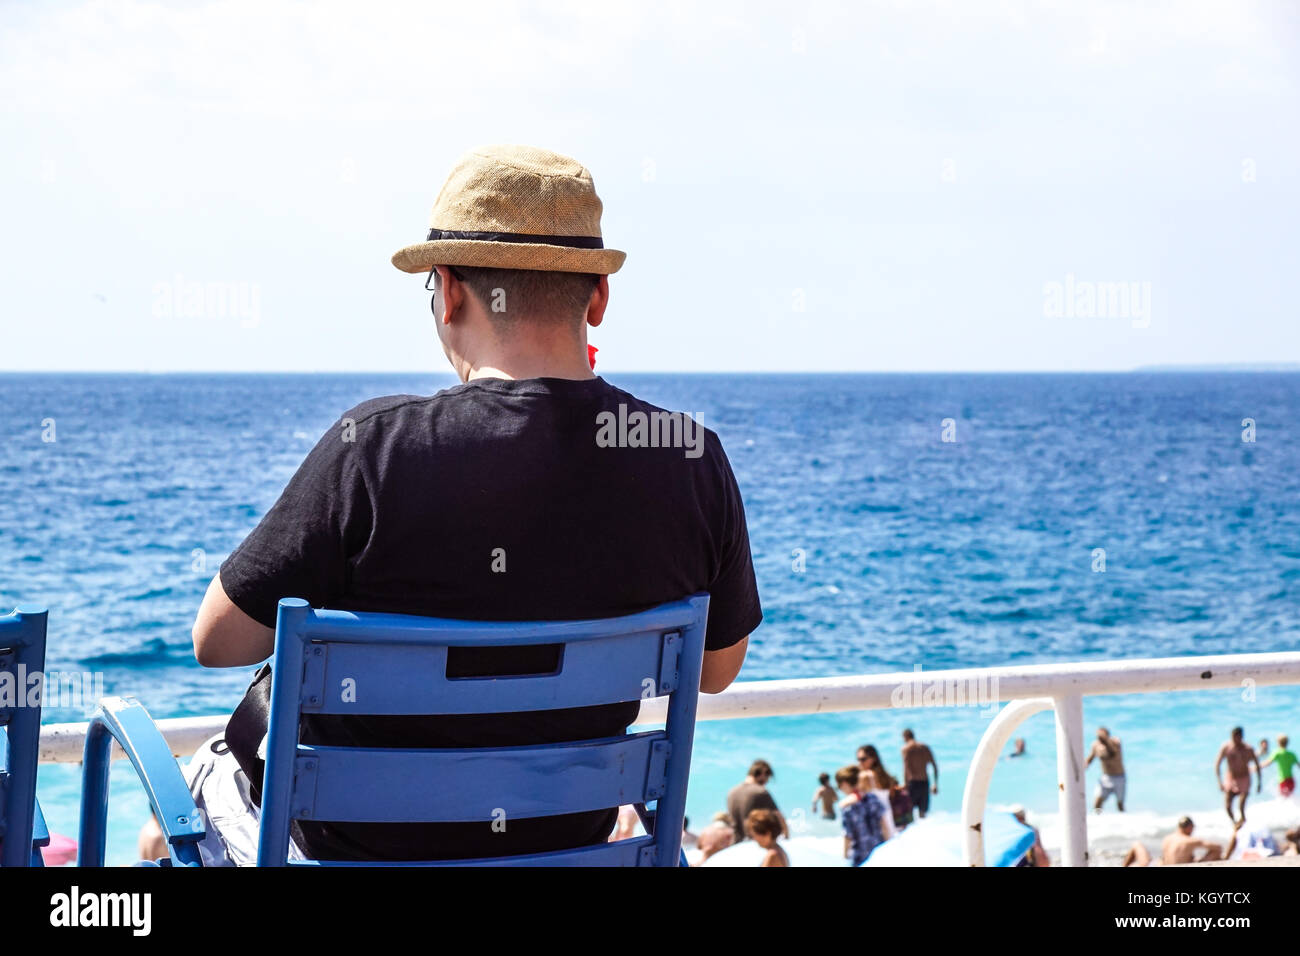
(353, 784)
(348, 678)
(22, 657)
(340, 662)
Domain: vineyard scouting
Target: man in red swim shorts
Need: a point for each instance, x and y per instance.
(1236, 782)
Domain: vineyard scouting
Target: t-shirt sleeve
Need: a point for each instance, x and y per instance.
(304, 545)
(734, 608)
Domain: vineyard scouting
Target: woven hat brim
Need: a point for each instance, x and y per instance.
(423, 256)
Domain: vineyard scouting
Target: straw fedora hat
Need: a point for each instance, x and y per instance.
(515, 207)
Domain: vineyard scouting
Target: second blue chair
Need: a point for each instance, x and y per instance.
(22, 656)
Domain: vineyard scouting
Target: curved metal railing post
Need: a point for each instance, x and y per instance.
(975, 797)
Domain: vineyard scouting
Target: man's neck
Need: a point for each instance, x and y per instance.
(526, 362)
(531, 370)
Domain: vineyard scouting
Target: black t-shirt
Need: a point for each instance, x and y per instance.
(412, 505)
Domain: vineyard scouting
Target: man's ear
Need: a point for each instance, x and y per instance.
(453, 294)
(599, 300)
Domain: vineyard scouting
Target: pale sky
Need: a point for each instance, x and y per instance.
(798, 186)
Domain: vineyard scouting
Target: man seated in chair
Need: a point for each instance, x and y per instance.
(534, 490)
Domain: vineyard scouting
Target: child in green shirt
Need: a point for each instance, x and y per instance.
(1286, 761)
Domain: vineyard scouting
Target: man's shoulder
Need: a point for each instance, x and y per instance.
(391, 406)
(656, 415)
(380, 421)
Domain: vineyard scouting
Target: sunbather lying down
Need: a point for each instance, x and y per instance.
(1179, 847)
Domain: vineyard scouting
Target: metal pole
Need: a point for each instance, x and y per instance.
(1069, 775)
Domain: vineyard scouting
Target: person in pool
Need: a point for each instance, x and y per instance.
(1285, 761)
(862, 814)
(874, 777)
(1111, 752)
(1236, 782)
(917, 760)
(824, 797)
(752, 794)
(763, 827)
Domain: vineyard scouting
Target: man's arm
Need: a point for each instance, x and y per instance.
(734, 610)
(1214, 851)
(935, 764)
(721, 667)
(1091, 756)
(224, 636)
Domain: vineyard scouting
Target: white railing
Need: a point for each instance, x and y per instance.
(1025, 690)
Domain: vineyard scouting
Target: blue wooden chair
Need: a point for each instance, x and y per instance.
(22, 654)
(340, 662)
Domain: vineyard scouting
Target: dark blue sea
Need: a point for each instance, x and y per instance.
(879, 546)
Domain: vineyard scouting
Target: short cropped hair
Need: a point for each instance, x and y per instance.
(760, 766)
(519, 293)
(849, 775)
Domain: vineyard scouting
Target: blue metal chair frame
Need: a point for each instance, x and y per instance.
(22, 652)
(129, 724)
(340, 662)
